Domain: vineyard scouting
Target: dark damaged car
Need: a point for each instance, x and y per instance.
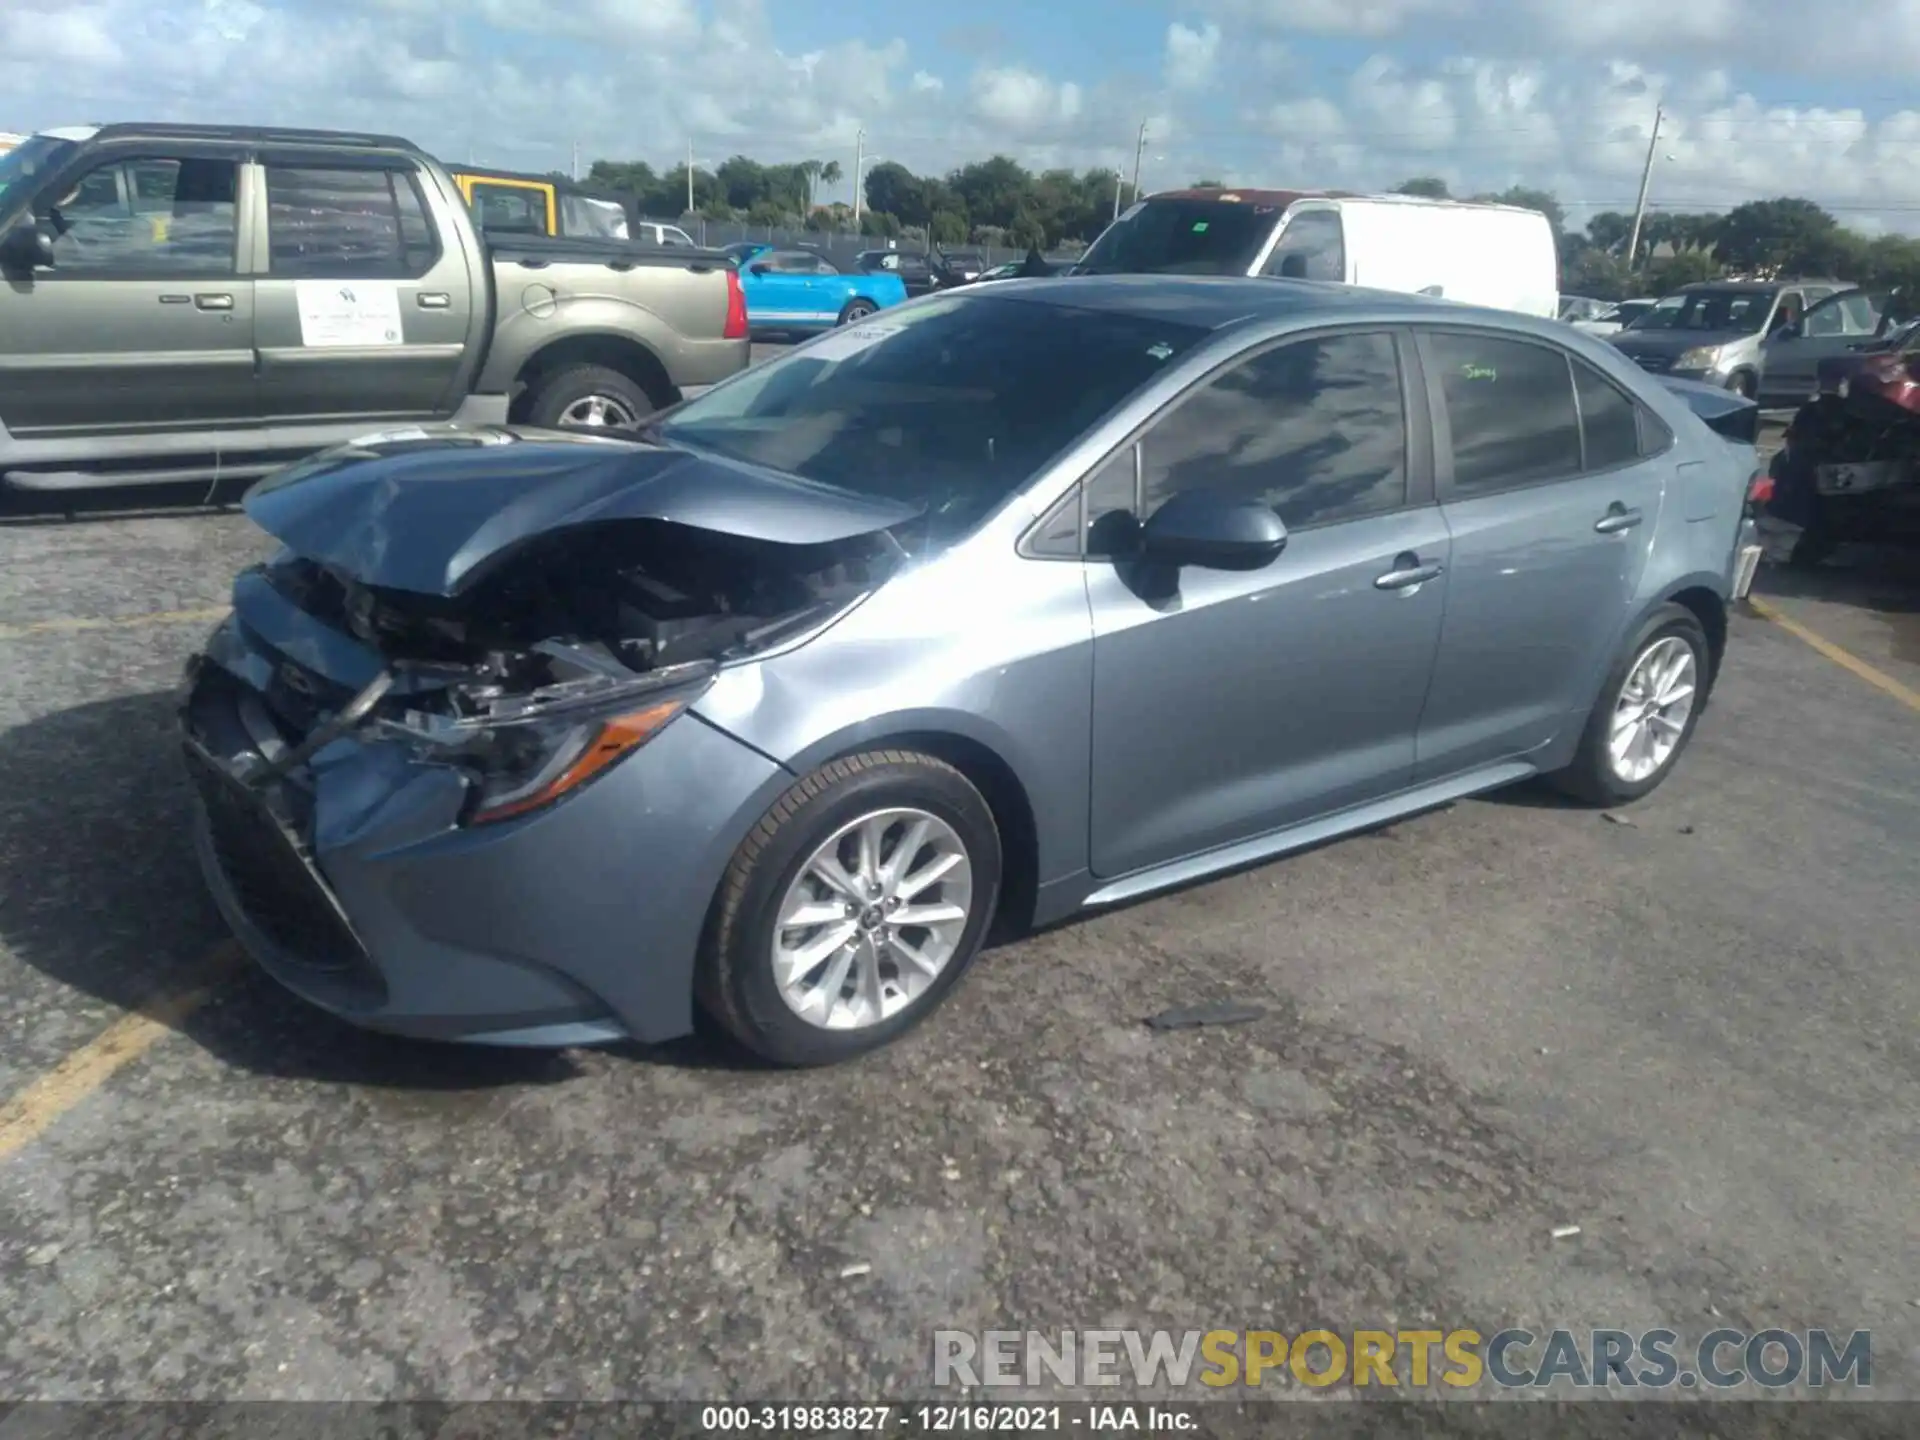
(1007, 605)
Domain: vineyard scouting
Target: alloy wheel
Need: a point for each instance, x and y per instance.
(872, 919)
(607, 412)
(1650, 717)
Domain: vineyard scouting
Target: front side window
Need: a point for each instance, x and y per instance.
(1315, 428)
(152, 216)
(326, 223)
(1510, 407)
(1311, 247)
(953, 405)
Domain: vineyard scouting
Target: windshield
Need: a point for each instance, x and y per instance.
(31, 157)
(1737, 312)
(1182, 237)
(1660, 317)
(952, 404)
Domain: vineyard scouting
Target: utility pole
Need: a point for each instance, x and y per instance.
(574, 172)
(689, 174)
(1646, 179)
(1138, 151)
(859, 158)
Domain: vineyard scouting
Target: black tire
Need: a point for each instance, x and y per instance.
(1744, 383)
(1591, 777)
(734, 980)
(858, 310)
(554, 395)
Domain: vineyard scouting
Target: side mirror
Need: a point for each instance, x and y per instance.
(1787, 330)
(27, 246)
(761, 269)
(1206, 528)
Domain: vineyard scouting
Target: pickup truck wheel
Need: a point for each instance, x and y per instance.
(590, 396)
(856, 311)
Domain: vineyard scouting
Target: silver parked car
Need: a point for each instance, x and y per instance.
(1011, 604)
(1714, 331)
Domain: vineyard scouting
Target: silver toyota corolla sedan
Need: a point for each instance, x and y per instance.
(1013, 603)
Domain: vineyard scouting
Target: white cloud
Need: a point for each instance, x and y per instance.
(1234, 92)
(1191, 55)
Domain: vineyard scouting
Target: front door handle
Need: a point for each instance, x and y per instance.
(1617, 518)
(213, 302)
(433, 300)
(1408, 571)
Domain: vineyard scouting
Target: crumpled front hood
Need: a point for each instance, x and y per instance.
(1672, 342)
(433, 511)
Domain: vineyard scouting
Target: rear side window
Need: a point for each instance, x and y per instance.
(347, 224)
(1511, 409)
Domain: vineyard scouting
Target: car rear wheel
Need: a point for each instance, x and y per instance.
(590, 397)
(856, 311)
(1646, 712)
(852, 909)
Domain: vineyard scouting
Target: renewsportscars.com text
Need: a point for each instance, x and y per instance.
(1458, 1359)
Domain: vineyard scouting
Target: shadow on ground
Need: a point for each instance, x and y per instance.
(99, 890)
(1882, 580)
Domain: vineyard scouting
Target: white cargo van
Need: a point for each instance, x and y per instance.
(1495, 255)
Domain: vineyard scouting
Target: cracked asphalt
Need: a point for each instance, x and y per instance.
(1693, 1035)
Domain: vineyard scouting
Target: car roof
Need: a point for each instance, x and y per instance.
(1219, 302)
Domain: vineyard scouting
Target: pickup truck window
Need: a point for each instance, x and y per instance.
(509, 209)
(152, 216)
(347, 224)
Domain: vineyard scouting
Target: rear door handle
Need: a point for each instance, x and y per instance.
(213, 302)
(433, 300)
(1617, 518)
(1408, 571)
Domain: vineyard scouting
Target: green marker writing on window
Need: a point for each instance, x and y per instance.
(1480, 372)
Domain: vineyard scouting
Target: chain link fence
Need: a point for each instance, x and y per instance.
(838, 246)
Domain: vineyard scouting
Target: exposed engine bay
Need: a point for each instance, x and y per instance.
(579, 615)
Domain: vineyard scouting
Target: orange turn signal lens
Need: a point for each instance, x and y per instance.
(616, 737)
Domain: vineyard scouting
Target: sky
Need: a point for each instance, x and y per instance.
(1761, 97)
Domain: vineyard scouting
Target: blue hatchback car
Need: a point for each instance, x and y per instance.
(799, 290)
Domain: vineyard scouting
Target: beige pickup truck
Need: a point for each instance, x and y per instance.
(186, 303)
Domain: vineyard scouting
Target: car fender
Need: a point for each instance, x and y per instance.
(538, 318)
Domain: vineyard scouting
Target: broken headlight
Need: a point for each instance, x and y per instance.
(526, 752)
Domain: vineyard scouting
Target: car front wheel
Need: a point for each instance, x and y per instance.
(856, 311)
(852, 909)
(1646, 712)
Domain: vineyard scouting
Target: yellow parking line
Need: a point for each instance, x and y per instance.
(1845, 659)
(31, 1113)
(109, 622)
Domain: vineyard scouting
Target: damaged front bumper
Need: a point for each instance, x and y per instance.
(353, 879)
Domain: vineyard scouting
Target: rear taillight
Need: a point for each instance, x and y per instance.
(1759, 489)
(736, 308)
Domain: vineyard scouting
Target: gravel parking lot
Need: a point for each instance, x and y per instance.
(1689, 1031)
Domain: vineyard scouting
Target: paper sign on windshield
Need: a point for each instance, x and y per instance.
(339, 313)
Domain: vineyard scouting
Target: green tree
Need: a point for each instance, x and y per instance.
(1781, 235)
(1207, 185)
(1428, 187)
(1685, 267)
(892, 189)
